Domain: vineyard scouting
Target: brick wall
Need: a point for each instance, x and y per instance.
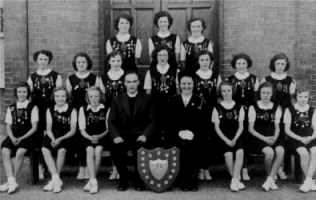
(256, 27)
(64, 27)
(264, 28)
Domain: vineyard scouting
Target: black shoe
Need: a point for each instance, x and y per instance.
(139, 187)
(122, 187)
(194, 188)
(185, 189)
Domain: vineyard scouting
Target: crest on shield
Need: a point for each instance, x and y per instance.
(158, 168)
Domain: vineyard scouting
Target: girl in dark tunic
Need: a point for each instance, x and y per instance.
(77, 85)
(21, 120)
(300, 122)
(264, 119)
(61, 120)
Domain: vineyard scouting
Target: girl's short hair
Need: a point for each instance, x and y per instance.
(266, 84)
(300, 89)
(49, 54)
(204, 52)
(193, 19)
(154, 55)
(123, 16)
(113, 54)
(94, 88)
(238, 56)
(159, 48)
(160, 14)
(22, 84)
(52, 97)
(86, 56)
(228, 83)
(279, 56)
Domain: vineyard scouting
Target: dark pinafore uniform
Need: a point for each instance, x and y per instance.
(79, 89)
(245, 95)
(60, 127)
(229, 125)
(21, 124)
(112, 88)
(191, 50)
(43, 87)
(301, 125)
(95, 125)
(170, 41)
(282, 87)
(163, 88)
(264, 125)
(128, 49)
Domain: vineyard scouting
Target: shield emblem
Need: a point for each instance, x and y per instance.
(158, 168)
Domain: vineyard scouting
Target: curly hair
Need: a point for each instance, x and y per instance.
(123, 16)
(160, 14)
(49, 54)
(266, 84)
(194, 19)
(22, 84)
(88, 59)
(279, 56)
(52, 97)
(244, 56)
(226, 83)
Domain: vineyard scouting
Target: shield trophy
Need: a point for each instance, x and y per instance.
(158, 168)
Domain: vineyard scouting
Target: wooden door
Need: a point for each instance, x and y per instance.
(143, 12)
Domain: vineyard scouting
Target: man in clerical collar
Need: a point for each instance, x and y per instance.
(131, 124)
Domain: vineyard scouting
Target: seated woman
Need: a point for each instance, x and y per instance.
(61, 120)
(185, 123)
(300, 122)
(21, 120)
(264, 119)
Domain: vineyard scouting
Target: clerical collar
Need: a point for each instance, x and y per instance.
(132, 95)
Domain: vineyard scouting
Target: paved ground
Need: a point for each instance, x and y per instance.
(218, 188)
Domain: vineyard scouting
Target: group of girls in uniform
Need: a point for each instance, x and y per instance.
(248, 117)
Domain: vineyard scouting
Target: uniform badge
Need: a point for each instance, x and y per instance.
(82, 84)
(164, 42)
(196, 48)
(302, 118)
(115, 85)
(229, 115)
(266, 116)
(163, 79)
(243, 84)
(158, 168)
(279, 86)
(19, 113)
(206, 84)
(123, 47)
(43, 80)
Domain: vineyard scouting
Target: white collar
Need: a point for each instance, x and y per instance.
(196, 40)
(264, 107)
(242, 76)
(20, 105)
(163, 34)
(82, 76)
(96, 110)
(186, 98)
(278, 77)
(163, 69)
(123, 37)
(115, 75)
(204, 75)
(61, 109)
(43, 73)
(132, 95)
(304, 109)
(228, 105)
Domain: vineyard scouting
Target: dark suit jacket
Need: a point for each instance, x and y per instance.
(185, 118)
(121, 122)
